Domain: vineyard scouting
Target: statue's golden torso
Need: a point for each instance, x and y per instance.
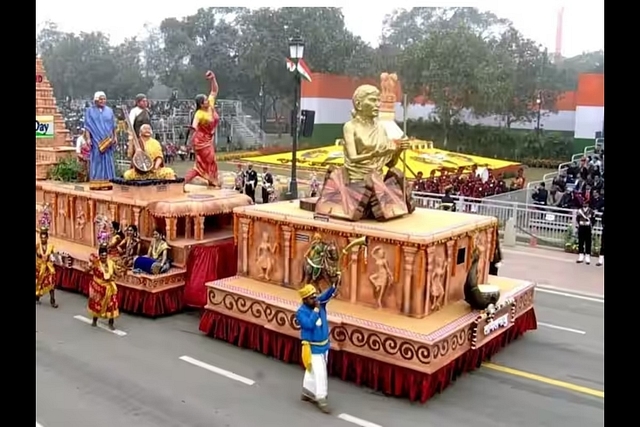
(369, 137)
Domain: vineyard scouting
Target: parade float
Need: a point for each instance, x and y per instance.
(198, 225)
(401, 322)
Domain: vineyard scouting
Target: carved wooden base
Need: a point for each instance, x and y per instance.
(381, 340)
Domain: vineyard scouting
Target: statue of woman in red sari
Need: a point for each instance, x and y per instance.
(205, 122)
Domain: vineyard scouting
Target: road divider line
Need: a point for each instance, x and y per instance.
(549, 381)
(534, 255)
(216, 370)
(569, 295)
(571, 291)
(357, 421)
(88, 321)
(562, 328)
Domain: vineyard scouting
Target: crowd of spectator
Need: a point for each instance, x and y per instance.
(581, 182)
(477, 183)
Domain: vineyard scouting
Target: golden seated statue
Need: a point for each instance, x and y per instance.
(361, 188)
(153, 149)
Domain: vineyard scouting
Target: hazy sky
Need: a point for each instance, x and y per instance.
(583, 28)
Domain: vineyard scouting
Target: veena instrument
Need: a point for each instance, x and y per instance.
(141, 161)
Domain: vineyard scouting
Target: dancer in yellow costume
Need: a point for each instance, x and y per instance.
(314, 332)
(153, 148)
(45, 269)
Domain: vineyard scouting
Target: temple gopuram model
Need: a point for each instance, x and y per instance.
(53, 141)
(197, 223)
(400, 322)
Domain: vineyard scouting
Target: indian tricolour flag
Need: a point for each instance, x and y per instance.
(302, 68)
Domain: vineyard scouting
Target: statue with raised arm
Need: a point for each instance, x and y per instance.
(368, 185)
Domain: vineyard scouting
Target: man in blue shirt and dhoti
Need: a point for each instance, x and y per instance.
(100, 134)
(314, 332)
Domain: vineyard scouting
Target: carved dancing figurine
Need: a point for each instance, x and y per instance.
(438, 275)
(81, 219)
(265, 256)
(382, 279)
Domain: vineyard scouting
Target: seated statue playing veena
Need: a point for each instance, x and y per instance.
(153, 148)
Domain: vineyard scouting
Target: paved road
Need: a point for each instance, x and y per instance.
(88, 376)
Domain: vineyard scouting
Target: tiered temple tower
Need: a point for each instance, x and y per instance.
(49, 150)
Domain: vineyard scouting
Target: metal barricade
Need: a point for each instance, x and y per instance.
(549, 225)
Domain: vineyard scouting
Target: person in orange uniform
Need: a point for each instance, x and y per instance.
(205, 122)
(103, 301)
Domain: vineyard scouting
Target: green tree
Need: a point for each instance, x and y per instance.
(519, 81)
(588, 62)
(447, 66)
(80, 64)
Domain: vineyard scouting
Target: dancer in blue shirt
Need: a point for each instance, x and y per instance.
(314, 332)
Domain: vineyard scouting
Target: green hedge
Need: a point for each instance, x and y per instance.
(520, 145)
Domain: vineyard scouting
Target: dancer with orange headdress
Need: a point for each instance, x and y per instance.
(45, 253)
(103, 301)
(205, 122)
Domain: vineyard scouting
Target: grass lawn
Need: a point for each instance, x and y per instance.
(536, 174)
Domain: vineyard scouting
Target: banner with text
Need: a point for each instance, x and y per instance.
(44, 126)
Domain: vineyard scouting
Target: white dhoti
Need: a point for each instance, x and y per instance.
(315, 383)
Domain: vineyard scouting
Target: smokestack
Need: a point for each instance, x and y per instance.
(558, 52)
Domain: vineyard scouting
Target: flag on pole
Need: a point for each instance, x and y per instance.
(302, 68)
(290, 65)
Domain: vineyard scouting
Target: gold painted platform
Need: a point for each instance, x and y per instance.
(424, 345)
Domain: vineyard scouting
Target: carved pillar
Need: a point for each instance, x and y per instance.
(92, 221)
(409, 255)
(418, 289)
(353, 273)
(54, 214)
(286, 237)
(244, 245)
(451, 265)
(72, 216)
(199, 231)
(136, 218)
(188, 230)
(113, 212)
(431, 258)
(170, 228)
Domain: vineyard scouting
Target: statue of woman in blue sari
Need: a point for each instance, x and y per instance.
(100, 127)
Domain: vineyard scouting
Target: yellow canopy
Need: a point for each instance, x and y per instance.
(418, 159)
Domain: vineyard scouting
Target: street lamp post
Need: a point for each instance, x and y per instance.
(539, 103)
(296, 51)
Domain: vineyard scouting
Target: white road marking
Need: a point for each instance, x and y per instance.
(570, 295)
(570, 291)
(357, 421)
(549, 257)
(217, 370)
(561, 328)
(88, 321)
